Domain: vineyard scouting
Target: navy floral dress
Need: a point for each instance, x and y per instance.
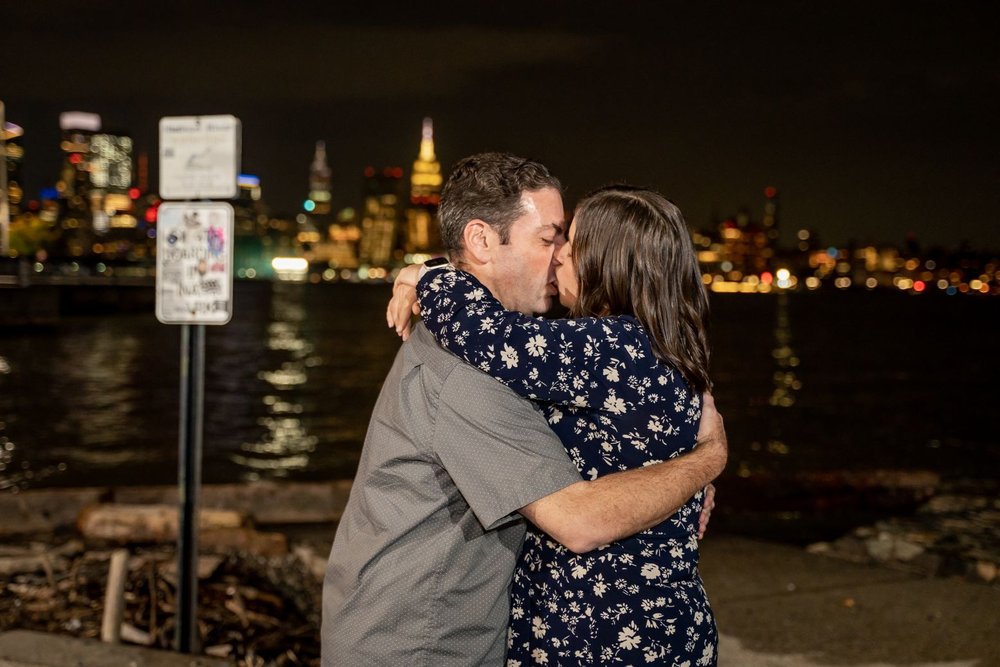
(638, 601)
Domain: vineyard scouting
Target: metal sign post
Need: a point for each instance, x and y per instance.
(199, 157)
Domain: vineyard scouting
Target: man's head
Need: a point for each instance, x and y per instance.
(502, 219)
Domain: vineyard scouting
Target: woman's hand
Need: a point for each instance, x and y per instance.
(706, 510)
(404, 300)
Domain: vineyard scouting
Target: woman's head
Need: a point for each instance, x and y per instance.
(630, 253)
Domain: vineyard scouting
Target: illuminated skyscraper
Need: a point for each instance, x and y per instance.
(94, 185)
(381, 216)
(425, 195)
(771, 213)
(318, 203)
(15, 153)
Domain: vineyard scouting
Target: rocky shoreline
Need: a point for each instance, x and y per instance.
(954, 533)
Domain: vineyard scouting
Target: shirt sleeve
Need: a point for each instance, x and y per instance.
(497, 447)
(584, 362)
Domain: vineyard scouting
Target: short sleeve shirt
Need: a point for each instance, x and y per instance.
(420, 569)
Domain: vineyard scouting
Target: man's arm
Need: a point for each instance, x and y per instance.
(586, 515)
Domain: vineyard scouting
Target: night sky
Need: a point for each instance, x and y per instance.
(873, 119)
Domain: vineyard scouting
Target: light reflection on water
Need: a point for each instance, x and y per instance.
(806, 382)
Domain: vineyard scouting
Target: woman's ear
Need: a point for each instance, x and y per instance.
(480, 241)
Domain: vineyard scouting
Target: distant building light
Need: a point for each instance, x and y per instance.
(12, 131)
(770, 192)
(79, 120)
(290, 268)
(248, 181)
(309, 205)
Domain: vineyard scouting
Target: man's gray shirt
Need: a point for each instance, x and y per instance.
(420, 569)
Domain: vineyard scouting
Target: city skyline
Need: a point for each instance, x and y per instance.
(872, 122)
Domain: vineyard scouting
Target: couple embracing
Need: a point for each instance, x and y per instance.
(532, 492)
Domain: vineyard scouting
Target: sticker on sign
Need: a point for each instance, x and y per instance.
(194, 263)
(199, 157)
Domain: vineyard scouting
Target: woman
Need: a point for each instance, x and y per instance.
(621, 385)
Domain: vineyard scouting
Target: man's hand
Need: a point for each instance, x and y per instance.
(404, 300)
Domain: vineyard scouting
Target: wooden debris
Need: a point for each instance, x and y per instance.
(146, 523)
(114, 598)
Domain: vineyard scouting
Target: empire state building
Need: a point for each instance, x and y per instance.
(422, 232)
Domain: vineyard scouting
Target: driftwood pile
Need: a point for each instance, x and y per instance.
(258, 605)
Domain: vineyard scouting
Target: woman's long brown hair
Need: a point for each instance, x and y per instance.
(633, 256)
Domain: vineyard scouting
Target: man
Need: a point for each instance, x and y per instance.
(420, 568)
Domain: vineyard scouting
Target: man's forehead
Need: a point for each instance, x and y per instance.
(543, 211)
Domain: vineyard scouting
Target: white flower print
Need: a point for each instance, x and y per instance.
(538, 627)
(536, 346)
(540, 657)
(651, 571)
(509, 356)
(614, 404)
(611, 373)
(629, 637)
(476, 295)
(487, 324)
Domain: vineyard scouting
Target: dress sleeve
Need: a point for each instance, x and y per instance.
(584, 362)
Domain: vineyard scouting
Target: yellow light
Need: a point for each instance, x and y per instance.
(871, 283)
(812, 282)
(975, 284)
(942, 284)
(293, 264)
(783, 274)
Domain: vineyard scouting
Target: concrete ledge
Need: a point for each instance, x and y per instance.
(22, 648)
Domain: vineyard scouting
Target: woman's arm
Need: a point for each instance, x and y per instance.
(587, 362)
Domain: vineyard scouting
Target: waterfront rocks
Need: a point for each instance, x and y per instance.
(951, 534)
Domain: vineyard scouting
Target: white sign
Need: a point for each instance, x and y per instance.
(194, 263)
(199, 157)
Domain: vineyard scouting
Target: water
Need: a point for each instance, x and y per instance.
(806, 382)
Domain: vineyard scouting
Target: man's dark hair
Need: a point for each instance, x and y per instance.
(488, 187)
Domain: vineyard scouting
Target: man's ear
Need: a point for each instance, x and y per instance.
(480, 241)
